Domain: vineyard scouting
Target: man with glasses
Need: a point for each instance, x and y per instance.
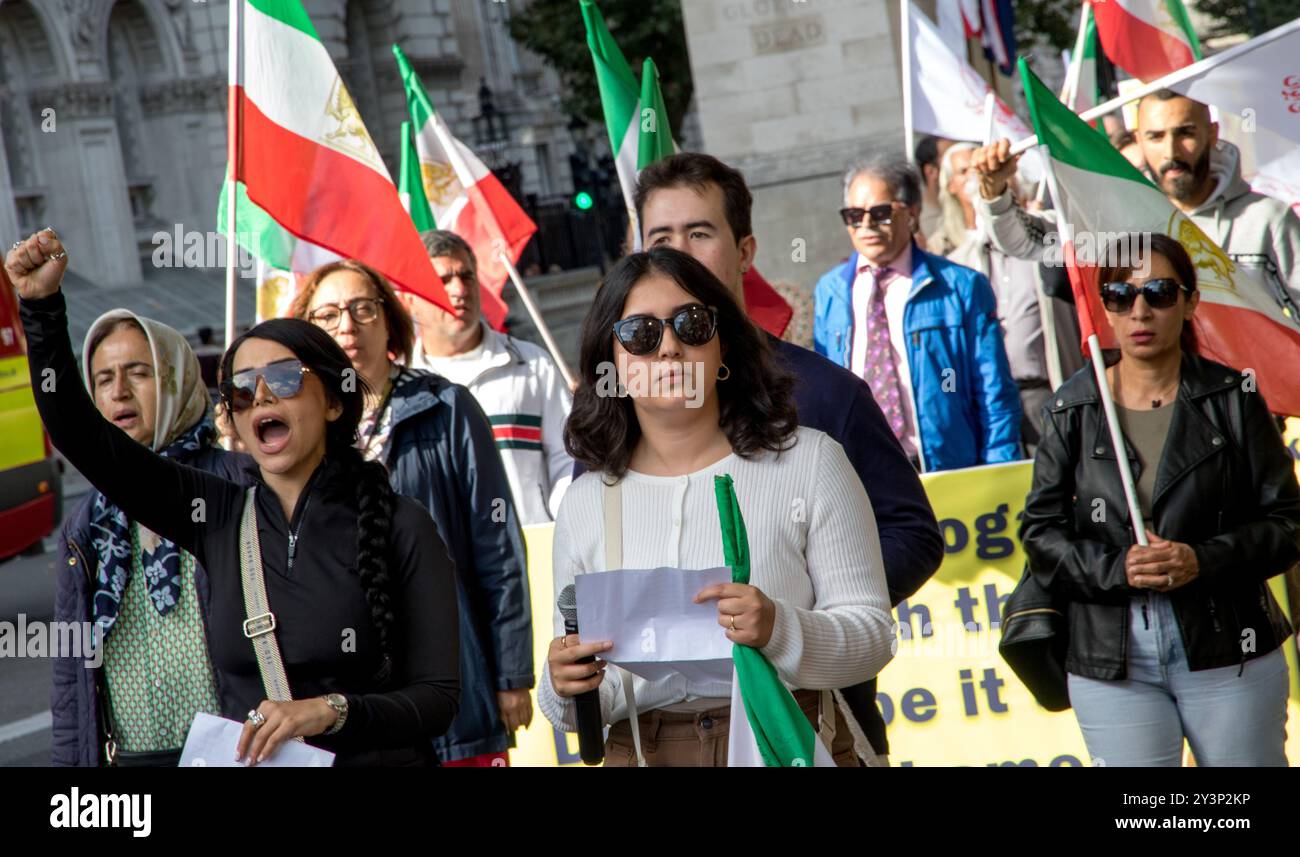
(921, 331)
(514, 381)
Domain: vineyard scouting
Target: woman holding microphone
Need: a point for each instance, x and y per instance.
(715, 404)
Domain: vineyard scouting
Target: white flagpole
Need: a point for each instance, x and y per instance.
(990, 108)
(1099, 368)
(1071, 95)
(1170, 79)
(234, 77)
(905, 28)
(536, 315)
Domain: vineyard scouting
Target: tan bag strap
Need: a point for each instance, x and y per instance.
(613, 526)
(259, 627)
(613, 504)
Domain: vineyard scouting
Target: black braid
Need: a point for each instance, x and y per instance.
(375, 504)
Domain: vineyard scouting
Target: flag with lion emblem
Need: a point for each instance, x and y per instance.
(456, 192)
(1238, 322)
(311, 186)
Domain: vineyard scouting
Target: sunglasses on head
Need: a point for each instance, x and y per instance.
(876, 215)
(1159, 294)
(641, 334)
(283, 378)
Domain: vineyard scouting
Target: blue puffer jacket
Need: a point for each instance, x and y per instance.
(441, 453)
(953, 336)
(74, 704)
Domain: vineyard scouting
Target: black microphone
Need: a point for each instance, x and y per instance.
(591, 729)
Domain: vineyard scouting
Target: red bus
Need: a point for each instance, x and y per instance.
(30, 485)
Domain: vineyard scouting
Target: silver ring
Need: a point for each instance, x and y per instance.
(17, 244)
(1169, 581)
(59, 256)
(256, 717)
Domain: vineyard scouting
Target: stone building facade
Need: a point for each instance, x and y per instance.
(113, 112)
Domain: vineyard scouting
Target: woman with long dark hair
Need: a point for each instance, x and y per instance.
(437, 446)
(1181, 638)
(678, 386)
(359, 596)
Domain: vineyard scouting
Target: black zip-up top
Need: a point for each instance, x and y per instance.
(327, 639)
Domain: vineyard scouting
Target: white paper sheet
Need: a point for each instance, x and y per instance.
(650, 617)
(212, 741)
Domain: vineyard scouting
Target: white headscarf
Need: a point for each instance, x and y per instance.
(182, 395)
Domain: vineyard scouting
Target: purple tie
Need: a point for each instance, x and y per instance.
(881, 370)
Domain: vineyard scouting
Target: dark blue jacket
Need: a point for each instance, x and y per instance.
(833, 400)
(441, 453)
(74, 704)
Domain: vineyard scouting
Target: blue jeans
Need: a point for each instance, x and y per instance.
(1140, 721)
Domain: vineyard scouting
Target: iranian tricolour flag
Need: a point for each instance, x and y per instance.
(311, 184)
(1146, 38)
(1238, 323)
(458, 193)
(640, 134)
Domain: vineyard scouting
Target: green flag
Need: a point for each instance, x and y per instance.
(774, 728)
(411, 187)
(655, 141)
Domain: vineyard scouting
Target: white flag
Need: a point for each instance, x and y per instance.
(1259, 82)
(948, 95)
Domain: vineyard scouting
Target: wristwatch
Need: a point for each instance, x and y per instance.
(339, 703)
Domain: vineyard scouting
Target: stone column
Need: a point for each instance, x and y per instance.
(789, 91)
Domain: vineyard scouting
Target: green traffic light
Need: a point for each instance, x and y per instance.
(583, 200)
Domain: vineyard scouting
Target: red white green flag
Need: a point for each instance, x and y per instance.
(312, 186)
(462, 195)
(1100, 194)
(1146, 38)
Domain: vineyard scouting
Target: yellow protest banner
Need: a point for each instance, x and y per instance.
(948, 698)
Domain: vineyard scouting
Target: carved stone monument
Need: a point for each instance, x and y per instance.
(789, 91)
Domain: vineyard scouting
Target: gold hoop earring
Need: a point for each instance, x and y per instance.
(722, 377)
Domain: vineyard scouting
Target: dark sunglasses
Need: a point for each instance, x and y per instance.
(641, 334)
(878, 215)
(362, 310)
(1159, 294)
(283, 378)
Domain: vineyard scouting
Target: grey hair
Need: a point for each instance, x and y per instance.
(440, 242)
(898, 174)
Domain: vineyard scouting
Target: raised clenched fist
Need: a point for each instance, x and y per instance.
(35, 266)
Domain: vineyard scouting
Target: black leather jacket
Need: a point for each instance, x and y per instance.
(1226, 486)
